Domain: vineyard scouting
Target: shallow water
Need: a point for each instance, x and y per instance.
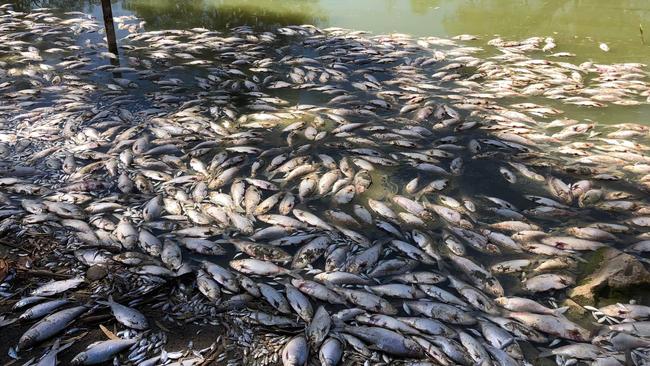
(577, 26)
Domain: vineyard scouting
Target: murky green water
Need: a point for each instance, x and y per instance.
(577, 26)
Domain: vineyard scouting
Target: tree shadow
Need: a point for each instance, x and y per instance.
(169, 14)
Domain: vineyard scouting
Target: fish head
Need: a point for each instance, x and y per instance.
(26, 341)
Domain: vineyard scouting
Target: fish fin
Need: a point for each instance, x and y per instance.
(561, 310)
(338, 324)
(545, 353)
(329, 285)
(196, 263)
(271, 175)
(425, 200)
(295, 273)
(406, 308)
(284, 281)
(56, 345)
(66, 346)
(106, 302)
(578, 258)
(628, 357)
(644, 260)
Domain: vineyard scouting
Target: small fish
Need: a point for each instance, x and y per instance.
(102, 351)
(57, 287)
(126, 315)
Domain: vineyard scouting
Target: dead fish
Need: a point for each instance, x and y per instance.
(387, 341)
(102, 351)
(126, 315)
(556, 325)
(295, 352)
(49, 326)
(57, 287)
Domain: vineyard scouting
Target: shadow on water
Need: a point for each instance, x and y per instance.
(211, 14)
(168, 14)
(59, 5)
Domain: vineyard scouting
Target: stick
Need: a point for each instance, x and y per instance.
(44, 273)
(14, 246)
(212, 356)
(95, 318)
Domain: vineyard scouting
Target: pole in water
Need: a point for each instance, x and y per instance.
(110, 30)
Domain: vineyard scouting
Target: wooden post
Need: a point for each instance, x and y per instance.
(110, 29)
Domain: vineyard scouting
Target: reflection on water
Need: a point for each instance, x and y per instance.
(574, 23)
(577, 26)
(63, 5)
(224, 14)
(421, 7)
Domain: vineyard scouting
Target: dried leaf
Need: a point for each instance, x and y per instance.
(4, 269)
(162, 326)
(108, 333)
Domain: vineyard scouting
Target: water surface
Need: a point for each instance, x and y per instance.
(578, 27)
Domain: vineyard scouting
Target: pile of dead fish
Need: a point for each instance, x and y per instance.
(340, 198)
